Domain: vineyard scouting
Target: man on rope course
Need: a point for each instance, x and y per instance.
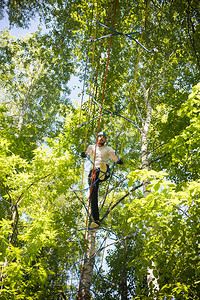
(99, 154)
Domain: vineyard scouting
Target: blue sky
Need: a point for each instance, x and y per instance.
(4, 23)
(74, 84)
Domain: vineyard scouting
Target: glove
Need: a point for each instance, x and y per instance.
(83, 154)
(120, 162)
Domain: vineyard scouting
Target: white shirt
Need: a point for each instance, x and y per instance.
(102, 154)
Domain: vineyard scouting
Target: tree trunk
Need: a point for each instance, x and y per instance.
(124, 286)
(151, 279)
(87, 270)
(15, 219)
(4, 265)
(123, 282)
(21, 116)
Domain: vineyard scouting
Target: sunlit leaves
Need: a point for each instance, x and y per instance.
(169, 219)
(33, 88)
(34, 74)
(184, 147)
(41, 208)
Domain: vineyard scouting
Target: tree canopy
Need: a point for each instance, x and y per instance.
(140, 85)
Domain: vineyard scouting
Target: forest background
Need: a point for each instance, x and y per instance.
(41, 141)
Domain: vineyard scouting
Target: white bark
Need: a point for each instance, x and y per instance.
(151, 279)
(87, 271)
(21, 115)
(145, 129)
(15, 219)
(34, 73)
(2, 275)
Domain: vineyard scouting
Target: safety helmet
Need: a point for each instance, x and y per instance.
(102, 133)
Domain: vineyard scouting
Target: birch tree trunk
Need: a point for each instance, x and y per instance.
(25, 98)
(22, 114)
(152, 281)
(15, 219)
(88, 266)
(124, 279)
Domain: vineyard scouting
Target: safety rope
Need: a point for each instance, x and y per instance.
(107, 112)
(108, 57)
(80, 115)
(91, 259)
(131, 97)
(87, 117)
(99, 116)
(104, 85)
(112, 199)
(129, 35)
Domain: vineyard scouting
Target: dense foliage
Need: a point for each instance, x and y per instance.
(41, 142)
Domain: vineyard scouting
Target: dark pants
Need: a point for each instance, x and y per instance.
(94, 191)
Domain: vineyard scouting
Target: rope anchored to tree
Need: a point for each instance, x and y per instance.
(92, 261)
(114, 113)
(129, 35)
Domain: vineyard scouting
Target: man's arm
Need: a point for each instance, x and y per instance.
(115, 158)
(88, 151)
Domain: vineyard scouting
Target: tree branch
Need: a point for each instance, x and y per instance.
(139, 112)
(118, 241)
(157, 147)
(122, 198)
(145, 92)
(6, 191)
(20, 197)
(110, 190)
(15, 219)
(156, 159)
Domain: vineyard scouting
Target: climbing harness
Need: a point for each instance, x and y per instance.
(104, 173)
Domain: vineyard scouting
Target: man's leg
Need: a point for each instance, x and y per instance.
(94, 195)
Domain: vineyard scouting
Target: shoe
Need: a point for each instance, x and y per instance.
(103, 171)
(95, 224)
